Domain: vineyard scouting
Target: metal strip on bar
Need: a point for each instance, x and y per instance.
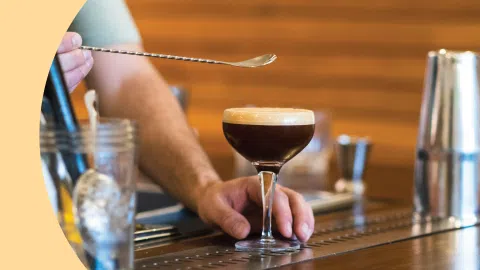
(329, 238)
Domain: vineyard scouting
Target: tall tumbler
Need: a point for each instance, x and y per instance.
(97, 213)
(448, 143)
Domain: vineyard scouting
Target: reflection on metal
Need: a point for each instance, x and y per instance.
(328, 239)
(448, 144)
(463, 245)
(466, 245)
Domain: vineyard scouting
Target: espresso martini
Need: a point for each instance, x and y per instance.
(268, 138)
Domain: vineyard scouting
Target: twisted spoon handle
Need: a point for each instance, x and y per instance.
(156, 55)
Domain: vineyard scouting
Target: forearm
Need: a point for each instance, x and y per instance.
(169, 152)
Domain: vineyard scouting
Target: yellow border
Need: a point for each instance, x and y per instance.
(30, 33)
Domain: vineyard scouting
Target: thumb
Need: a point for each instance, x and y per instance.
(70, 42)
(229, 220)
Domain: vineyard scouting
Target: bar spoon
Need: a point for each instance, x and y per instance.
(258, 61)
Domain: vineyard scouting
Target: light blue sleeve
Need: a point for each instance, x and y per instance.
(105, 22)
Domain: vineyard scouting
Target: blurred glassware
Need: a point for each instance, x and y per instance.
(352, 157)
(97, 214)
(309, 169)
(182, 95)
(241, 166)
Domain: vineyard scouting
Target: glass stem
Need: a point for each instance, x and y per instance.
(267, 182)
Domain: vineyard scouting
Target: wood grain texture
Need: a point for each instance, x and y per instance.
(361, 60)
(457, 249)
(367, 207)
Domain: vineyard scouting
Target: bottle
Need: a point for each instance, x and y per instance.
(62, 113)
(63, 168)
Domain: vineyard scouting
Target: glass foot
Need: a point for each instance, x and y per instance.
(272, 245)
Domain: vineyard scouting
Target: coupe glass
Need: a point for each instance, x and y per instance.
(268, 138)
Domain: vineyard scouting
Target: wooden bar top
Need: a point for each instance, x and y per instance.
(450, 249)
(457, 249)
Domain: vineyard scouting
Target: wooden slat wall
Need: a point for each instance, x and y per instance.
(361, 60)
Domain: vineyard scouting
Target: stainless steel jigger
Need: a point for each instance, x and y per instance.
(352, 154)
(448, 143)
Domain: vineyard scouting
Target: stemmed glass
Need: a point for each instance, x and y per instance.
(268, 138)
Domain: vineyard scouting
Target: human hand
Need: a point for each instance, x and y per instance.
(75, 63)
(235, 206)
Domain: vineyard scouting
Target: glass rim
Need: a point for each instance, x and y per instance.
(104, 125)
(268, 116)
(344, 139)
(111, 134)
(269, 110)
(453, 53)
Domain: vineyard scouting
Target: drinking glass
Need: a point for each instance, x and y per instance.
(309, 170)
(96, 209)
(268, 138)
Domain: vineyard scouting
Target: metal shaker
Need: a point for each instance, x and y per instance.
(448, 143)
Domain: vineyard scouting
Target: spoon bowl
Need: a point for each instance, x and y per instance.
(258, 61)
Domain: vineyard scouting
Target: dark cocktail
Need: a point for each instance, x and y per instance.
(268, 137)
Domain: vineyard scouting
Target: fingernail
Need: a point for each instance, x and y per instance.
(76, 40)
(239, 229)
(305, 230)
(87, 54)
(288, 228)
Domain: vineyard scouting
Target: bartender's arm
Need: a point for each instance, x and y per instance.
(130, 87)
